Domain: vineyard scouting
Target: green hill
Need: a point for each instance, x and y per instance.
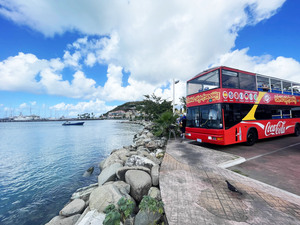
(126, 107)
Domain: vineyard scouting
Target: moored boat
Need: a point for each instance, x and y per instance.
(67, 123)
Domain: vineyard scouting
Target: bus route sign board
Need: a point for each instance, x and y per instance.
(241, 96)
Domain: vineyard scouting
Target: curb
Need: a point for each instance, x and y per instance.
(233, 162)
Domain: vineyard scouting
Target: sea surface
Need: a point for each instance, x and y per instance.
(42, 163)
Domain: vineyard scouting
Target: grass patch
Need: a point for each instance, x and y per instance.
(239, 172)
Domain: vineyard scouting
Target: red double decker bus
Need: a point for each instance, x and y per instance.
(227, 106)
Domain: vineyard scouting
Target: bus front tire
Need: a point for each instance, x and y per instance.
(251, 137)
(297, 130)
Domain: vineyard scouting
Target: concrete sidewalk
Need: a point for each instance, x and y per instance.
(194, 191)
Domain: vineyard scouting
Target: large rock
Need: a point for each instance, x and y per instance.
(146, 218)
(84, 193)
(140, 142)
(152, 145)
(154, 192)
(105, 195)
(155, 175)
(140, 183)
(121, 171)
(61, 220)
(137, 160)
(109, 173)
(123, 187)
(92, 218)
(75, 207)
(113, 158)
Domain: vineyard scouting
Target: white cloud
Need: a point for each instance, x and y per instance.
(72, 59)
(154, 41)
(281, 67)
(19, 73)
(90, 59)
(97, 106)
(23, 106)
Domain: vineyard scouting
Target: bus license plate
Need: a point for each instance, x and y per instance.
(199, 140)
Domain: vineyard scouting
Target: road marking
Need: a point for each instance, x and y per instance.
(255, 157)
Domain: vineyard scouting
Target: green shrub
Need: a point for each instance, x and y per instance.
(151, 204)
(126, 207)
(163, 123)
(114, 215)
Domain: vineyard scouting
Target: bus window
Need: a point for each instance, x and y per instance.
(296, 112)
(262, 83)
(230, 79)
(211, 116)
(287, 87)
(234, 113)
(276, 114)
(276, 86)
(193, 117)
(263, 112)
(247, 82)
(204, 83)
(286, 114)
(296, 89)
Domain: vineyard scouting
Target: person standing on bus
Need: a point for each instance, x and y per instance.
(182, 124)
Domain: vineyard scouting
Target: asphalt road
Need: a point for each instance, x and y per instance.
(274, 161)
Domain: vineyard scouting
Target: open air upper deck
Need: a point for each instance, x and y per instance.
(225, 77)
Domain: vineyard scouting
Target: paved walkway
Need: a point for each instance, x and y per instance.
(194, 191)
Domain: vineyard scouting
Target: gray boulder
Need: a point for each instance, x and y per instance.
(92, 218)
(109, 173)
(105, 195)
(140, 183)
(113, 158)
(155, 175)
(61, 220)
(152, 145)
(121, 171)
(146, 218)
(140, 142)
(123, 187)
(154, 192)
(84, 193)
(150, 135)
(137, 160)
(75, 207)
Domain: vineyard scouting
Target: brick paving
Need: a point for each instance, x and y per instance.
(194, 191)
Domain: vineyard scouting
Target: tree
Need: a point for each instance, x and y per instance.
(183, 102)
(153, 106)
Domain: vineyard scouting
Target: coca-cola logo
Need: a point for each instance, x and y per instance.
(275, 129)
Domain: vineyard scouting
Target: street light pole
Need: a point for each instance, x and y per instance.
(174, 82)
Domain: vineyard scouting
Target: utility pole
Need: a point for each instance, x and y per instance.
(174, 82)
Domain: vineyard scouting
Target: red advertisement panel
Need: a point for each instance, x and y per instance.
(241, 96)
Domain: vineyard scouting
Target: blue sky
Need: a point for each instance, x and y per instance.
(58, 60)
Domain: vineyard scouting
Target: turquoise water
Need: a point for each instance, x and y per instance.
(42, 163)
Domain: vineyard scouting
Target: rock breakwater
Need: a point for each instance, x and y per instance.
(130, 172)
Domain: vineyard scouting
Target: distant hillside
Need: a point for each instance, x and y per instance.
(127, 106)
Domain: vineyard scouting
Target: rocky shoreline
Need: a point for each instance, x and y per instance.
(131, 173)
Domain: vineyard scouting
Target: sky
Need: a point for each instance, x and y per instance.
(64, 58)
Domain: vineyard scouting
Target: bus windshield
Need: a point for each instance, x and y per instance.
(203, 83)
(205, 116)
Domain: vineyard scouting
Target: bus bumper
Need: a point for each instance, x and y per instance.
(206, 138)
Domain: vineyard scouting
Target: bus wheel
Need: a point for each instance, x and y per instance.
(297, 130)
(251, 137)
